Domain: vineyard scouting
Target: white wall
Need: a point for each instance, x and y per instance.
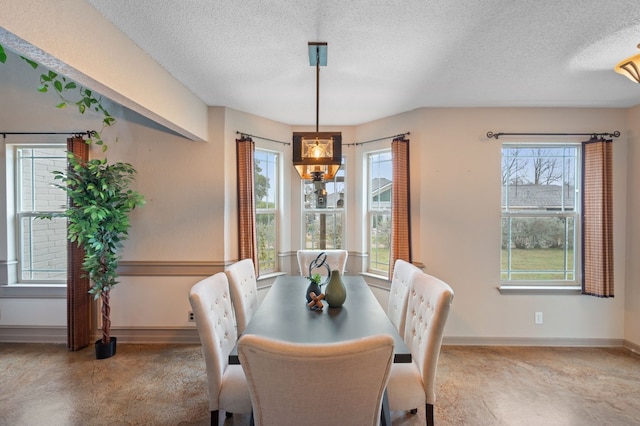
(632, 293)
(455, 186)
(456, 226)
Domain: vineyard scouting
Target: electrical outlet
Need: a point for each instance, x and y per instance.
(538, 317)
(192, 318)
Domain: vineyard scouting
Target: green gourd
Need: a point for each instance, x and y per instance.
(335, 294)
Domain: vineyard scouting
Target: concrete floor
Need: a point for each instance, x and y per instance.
(165, 385)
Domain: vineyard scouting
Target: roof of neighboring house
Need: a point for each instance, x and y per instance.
(380, 184)
(538, 196)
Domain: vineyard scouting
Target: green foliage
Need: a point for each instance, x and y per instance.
(98, 214)
(266, 236)
(315, 278)
(261, 184)
(87, 100)
(537, 232)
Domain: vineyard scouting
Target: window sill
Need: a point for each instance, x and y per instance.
(540, 289)
(376, 276)
(266, 280)
(270, 275)
(374, 280)
(38, 291)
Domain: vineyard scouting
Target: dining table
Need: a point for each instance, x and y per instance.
(284, 315)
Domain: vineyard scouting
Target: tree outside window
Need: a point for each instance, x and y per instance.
(266, 198)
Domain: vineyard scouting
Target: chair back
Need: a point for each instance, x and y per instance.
(244, 291)
(403, 273)
(308, 384)
(427, 311)
(337, 260)
(211, 304)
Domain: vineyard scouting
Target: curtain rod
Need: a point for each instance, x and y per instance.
(88, 133)
(243, 134)
(400, 135)
(497, 135)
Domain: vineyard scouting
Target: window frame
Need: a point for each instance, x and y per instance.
(333, 208)
(552, 286)
(21, 213)
(371, 212)
(274, 211)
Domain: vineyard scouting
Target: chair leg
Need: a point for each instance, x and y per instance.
(214, 418)
(429, 410)
(385, 414)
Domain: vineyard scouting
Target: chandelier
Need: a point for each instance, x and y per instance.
(317, 155)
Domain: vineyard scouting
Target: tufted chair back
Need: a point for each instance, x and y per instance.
(412, 385)
(244, 291)
(337, 260)
(427, 311)
(403, 273)
(310, 384)
(211, 303)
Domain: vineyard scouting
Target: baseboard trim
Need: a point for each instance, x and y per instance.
(532, 341)
(189, 336)
(28, 334)
(175, 335)
(631, 346)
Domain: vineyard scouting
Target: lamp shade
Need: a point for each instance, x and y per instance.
(630, 68)
(317, 155)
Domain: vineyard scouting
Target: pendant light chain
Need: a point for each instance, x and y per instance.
(317, 87)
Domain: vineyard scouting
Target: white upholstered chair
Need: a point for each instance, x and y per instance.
(244, 291)
(227, 386)
(403, 272)
(307, 384)
(337, 260)
(411, 385)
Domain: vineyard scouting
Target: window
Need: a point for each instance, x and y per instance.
(540, 215)
(323, 212)
(379, 178)
(41, 243)
(266, 193)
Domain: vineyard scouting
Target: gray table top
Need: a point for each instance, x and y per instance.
(284, 315)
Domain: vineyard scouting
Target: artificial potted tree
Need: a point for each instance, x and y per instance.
(100, 201)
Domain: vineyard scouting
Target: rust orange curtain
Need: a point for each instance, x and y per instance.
(78, 297)
(247, 240)
(597, 220)
(400, 204)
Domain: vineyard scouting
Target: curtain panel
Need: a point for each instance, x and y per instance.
(247, 240)
(400, 204)
(597, 218)
(78, 297)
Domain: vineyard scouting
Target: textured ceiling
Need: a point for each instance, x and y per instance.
(388, 56)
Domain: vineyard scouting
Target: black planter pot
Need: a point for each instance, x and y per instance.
(105, 350)
(313, 287)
